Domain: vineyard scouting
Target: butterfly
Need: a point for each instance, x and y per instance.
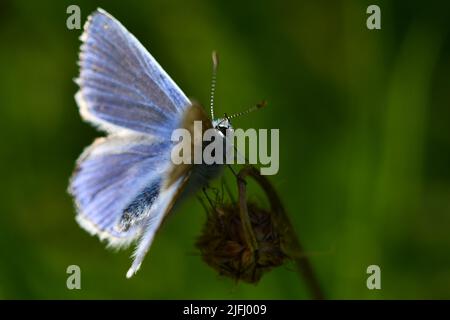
(125, 184)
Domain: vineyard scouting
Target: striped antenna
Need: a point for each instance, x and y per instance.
(215, 59)
(258, 106)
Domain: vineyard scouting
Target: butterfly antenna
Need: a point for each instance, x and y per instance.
(258, 106)
(215, 59)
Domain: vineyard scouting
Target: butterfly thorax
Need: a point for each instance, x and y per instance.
(201, 174)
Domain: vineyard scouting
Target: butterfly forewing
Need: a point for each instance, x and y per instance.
(121, 84)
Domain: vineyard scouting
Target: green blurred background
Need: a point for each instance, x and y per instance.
(364, 137)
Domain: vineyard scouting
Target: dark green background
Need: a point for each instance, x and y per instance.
(364, 137)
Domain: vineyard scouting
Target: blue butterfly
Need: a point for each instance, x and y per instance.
(125, 184)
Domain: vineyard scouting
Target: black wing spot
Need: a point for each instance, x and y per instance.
(138, 209)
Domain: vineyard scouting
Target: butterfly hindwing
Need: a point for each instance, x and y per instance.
(121, 84)
(115, 184)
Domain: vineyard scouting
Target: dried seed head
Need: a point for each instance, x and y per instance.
(223, 243)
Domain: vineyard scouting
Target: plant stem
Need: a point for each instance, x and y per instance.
(292, 243)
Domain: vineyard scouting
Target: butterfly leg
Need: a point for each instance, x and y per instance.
(207, 197)
(235, 174)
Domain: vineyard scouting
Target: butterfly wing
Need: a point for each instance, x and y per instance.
(122, 87)
(116, 183)
(125, 184)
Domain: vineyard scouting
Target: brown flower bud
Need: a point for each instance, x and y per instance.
(224, 247)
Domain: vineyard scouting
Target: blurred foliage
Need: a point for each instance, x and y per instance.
(364, 128)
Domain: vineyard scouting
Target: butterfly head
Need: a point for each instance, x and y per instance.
(223, 125)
